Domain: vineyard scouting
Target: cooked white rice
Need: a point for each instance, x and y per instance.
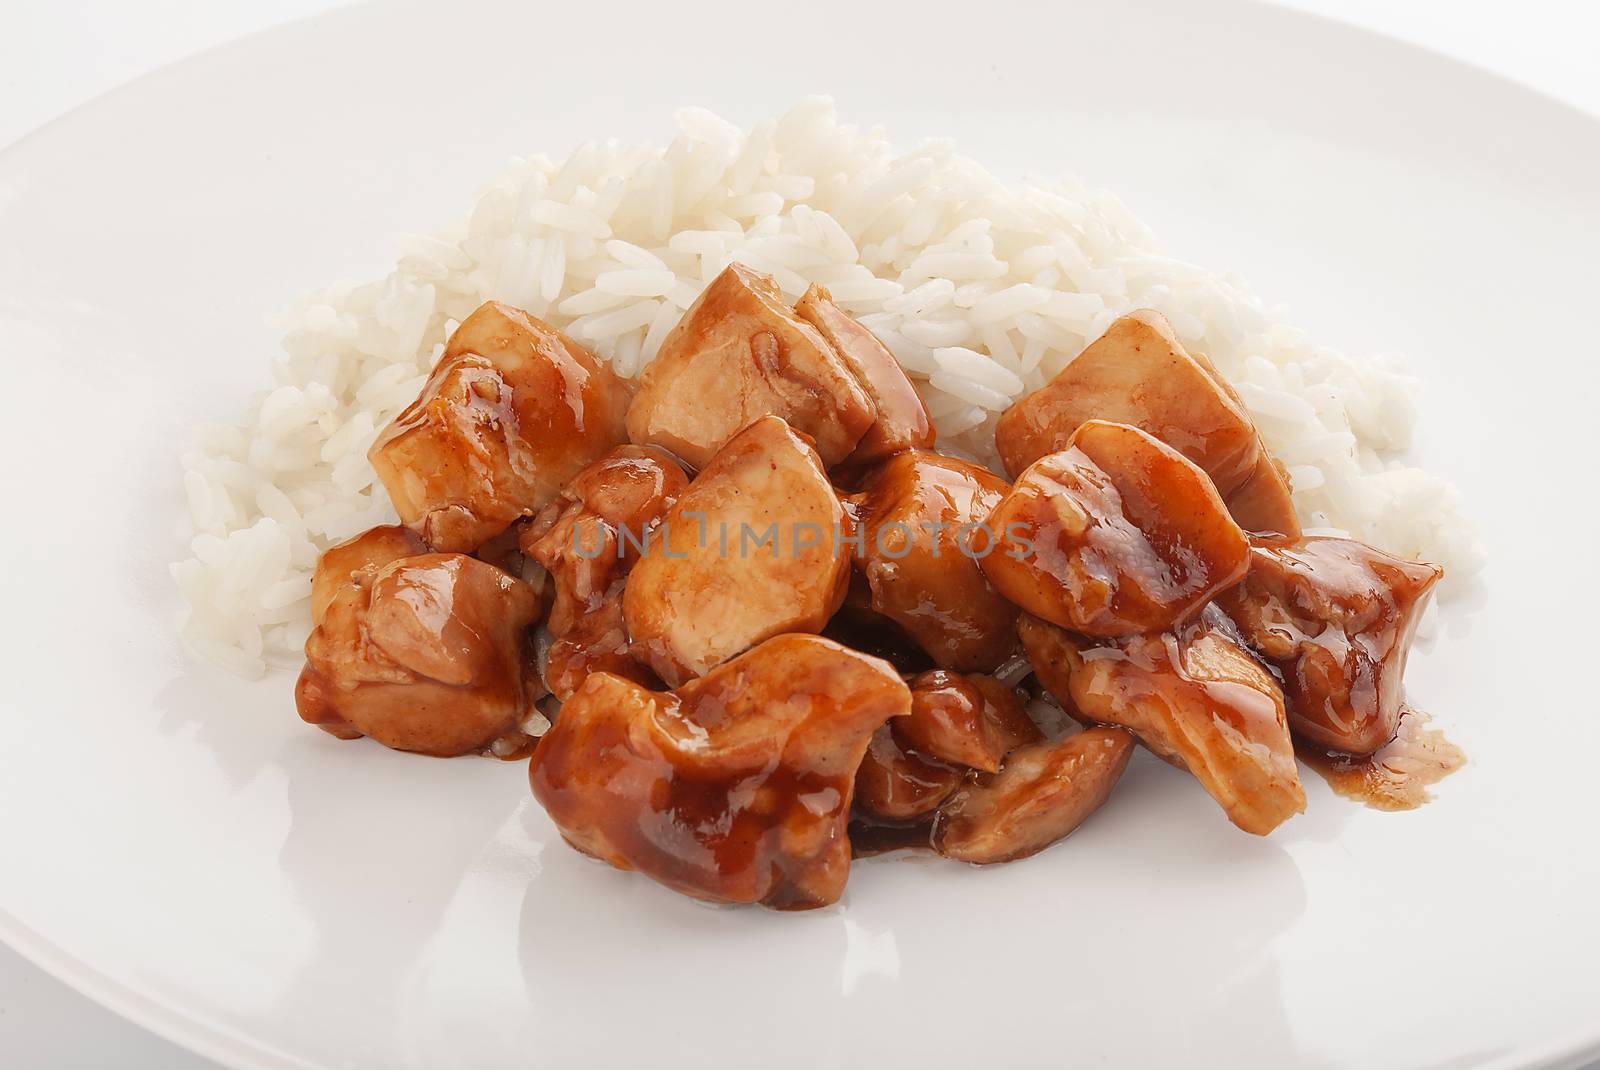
(982, 291)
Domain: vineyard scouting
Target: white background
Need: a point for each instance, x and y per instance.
(55, 56)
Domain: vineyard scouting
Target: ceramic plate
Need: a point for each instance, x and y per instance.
(180, 847)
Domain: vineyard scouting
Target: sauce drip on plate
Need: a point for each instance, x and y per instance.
(1398, 775)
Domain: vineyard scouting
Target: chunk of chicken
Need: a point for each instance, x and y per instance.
(957, 723)
(1264, 503)
(1116, 535)
(737, 786)
(1195, 697)
(973, 721)
(901, 422)
(921, 532)
(423, 653)
(597, 642)
(737, 355)
(1138, 373)
(513, 410)
(352, 562)
(1045, 791)
(895, 783)
(1336, 619)
(748, 551)
(339, 565)
(588, 539)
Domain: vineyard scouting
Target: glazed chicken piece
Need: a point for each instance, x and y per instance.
(956, 724)
(588, 539)
(974, 721)
(339, 565)
(911, 510)
(737, 786)
(747, 552)
(740, 353)
(597, 642)
(901, 422)
(422, 652)
(895, 783)
(1194, 696)
(513, 410)
(1336, 619)
(1264, 504)
(1138, 373)
(1045, 791)
(1116, 535)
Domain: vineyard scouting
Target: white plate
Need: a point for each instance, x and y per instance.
(181, 848)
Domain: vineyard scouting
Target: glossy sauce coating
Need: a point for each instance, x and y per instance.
(1195, 697)
(424, 653)
(1264, 503)
(897, 783)
(912, 509)
(973, 721)
(588, 539)
(1117, 535)
(1336, 619)
(513, 410)
(738, 354)
(1398, 774)
(341, 570)
(737, 786)
(341, 565)
(597, 642)
(958, 725)
(900, 420)
(1045, 791)
(704, 591)
(1138, 373)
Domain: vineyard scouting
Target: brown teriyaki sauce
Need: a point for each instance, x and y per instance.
(875, 836)
(1398, 775)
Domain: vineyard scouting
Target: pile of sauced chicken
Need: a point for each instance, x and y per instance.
(748, 607)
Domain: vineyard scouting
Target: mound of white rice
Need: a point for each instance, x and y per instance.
(982, 291)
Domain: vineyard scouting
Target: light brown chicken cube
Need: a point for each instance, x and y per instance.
(1138, 373)
(901, 422)
(513, 410)
(748, 551)
(973, 721)
(1194, 696)
(1045, 791)
(1264, 503)
(597, 642)
(921, 532)
(895, 783)
(737, 786)
(738, 354)
(588, 539)
(1117, 534)
(367, 552)
(423, 653)
(957, 724)
(1335, 618)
